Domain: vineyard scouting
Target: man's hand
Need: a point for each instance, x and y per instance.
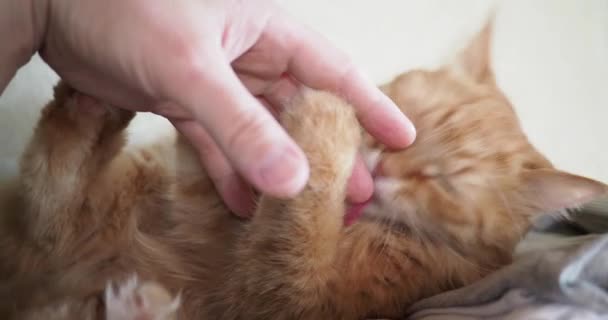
(218, 70)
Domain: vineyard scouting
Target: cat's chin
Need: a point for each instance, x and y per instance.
(354, 211)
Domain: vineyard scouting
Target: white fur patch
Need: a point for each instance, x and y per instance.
(131, 301)
(371, 158)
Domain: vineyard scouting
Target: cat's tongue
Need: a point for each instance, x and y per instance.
(354, 212)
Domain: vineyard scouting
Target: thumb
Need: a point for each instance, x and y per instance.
(249, 136)
(236, 194)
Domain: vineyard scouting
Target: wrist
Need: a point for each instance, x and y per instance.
(22, 30)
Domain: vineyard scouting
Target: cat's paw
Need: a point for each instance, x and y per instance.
(72, 110)
(140, 301)
(326, 128)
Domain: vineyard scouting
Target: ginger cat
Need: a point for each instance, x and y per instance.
(446, 211)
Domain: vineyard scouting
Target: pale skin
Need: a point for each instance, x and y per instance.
(219, 70)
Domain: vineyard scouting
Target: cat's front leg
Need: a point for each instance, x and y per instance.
(75, 138)
(286, 260)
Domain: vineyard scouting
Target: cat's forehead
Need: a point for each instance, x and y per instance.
(441, 100)
(420, 90)
(457, 118)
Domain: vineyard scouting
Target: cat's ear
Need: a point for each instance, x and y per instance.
(548, 190)
(475, 60)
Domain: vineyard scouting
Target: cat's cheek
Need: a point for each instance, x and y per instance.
(390, 201)
(386, 190)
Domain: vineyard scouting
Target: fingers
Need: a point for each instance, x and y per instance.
(248, 135)
(237, 195)
(280, 93)
(315, 63)
(360, 185)
(276, 92)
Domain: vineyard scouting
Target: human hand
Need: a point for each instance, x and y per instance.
(218, 70)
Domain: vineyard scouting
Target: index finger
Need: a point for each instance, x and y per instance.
(317, 64)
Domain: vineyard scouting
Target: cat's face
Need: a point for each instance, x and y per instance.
(465, 168)
(471, 176)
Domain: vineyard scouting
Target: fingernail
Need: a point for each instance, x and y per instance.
(410, 129)
(284, 172)
(404, 126)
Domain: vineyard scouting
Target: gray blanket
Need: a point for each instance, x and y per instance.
(568, 281)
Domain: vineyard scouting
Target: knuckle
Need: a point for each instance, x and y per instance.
(207, 149)
(182, 49)
(188, 60)
(247, 127)
(217, 166)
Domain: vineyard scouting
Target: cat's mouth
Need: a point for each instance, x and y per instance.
(354, 211)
